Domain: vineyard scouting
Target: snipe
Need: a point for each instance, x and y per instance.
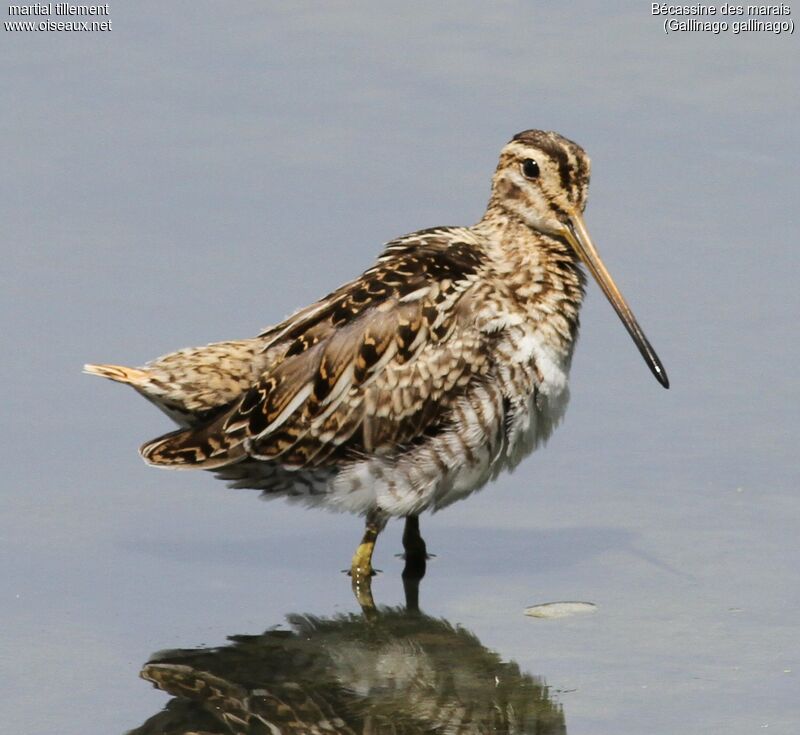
(412, 385)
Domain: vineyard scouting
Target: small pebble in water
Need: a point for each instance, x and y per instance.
(560, 609)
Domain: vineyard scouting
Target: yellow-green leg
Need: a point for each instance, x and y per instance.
(361, 569)
(361, 565)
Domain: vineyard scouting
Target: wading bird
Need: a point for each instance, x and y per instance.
(415, 383)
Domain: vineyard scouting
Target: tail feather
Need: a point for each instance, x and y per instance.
(119, 373)
(203, 448)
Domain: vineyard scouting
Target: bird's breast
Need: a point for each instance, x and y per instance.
(530, 360)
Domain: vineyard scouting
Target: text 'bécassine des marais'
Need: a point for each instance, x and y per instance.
(721, 9)
(59, 9)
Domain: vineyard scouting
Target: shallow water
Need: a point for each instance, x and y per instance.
(202, 171)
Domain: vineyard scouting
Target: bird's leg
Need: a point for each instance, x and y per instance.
(361, 565)
(416, 556)
(361, 569)
(413, 544)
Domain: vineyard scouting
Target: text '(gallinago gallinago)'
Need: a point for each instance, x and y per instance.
(412, 385)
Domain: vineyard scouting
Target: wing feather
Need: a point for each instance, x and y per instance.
(369, 369)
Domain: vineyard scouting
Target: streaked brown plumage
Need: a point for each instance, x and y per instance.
(370, 368)
(193, 384)
(416, 382)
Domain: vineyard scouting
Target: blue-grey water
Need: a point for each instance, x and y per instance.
(205, 168)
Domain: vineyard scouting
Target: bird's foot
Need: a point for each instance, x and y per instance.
(362, 573)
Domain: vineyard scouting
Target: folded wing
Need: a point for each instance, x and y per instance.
(370, 369)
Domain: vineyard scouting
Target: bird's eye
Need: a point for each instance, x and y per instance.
(530, 169)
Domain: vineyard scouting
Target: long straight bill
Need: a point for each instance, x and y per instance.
(578, 236)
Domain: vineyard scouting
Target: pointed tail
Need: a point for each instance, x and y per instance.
(119, 373)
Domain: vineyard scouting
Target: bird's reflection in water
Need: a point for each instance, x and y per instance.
(388, 670)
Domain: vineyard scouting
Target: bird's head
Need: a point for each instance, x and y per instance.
(543, 180)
